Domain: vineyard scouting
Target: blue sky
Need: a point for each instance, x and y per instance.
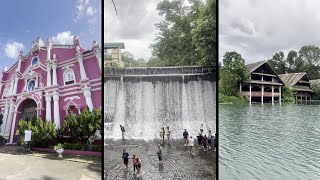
(24, 21)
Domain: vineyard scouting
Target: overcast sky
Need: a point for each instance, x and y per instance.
(259, 29)
(134, 25)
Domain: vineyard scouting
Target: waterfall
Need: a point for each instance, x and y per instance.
(146, 99)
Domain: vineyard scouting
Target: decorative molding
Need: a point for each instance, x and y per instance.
(71, 98)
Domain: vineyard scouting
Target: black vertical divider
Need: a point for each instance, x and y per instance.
(102, 87)
(217, 88)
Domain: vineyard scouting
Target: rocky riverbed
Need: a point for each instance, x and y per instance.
(177, 162)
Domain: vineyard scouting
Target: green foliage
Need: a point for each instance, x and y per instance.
(157, 62)
(232, 73)
(307, 60)
(130, 61)
(58, 146)
(81, 147)
(42, 132)
(83, 126)
(316, 88)
(288, 94)
(232, 99)
(278, 62)
(186, 35)
(204, 34)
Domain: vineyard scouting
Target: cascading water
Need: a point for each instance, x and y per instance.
(146, 99)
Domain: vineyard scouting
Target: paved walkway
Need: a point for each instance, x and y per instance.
(17, 165)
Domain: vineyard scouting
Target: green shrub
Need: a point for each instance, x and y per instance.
(83, 126)
(42, 132)
(232, 99)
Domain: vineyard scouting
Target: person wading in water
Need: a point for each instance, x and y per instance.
(185, 136)
(191, 144)
(125, 157)
(122, 130)
(159, 153)
(162, 133)
(168, 134)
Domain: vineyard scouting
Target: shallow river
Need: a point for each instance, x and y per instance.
(269, 142)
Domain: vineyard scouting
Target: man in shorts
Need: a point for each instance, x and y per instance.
(125, 157)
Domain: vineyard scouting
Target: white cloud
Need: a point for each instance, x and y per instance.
(12, 49)
(91, 11)
(259, 29)
(87, 10)
(63, 38)
(84, 8)
(134, 25)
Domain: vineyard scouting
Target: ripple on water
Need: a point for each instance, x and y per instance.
(265, 141)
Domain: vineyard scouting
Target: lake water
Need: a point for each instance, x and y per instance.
(269, 141)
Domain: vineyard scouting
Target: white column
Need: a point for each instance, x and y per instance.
(240, 87)
(87, 95)
(19, 65)
(11, 86)
(82, 71)
(280, 94)
(250, 93)
(15, 87)
(37, 82)
(56, 110)
(54, 78)
(48, 75)
(13, 125)
(5, 115)
(48, 108)
(272, 88)
(262, 92)
(9, 117)
(25, 84)
(98, 55)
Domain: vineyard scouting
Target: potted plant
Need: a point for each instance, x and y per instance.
(59, 149)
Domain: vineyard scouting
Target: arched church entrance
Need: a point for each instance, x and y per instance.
(28, 109)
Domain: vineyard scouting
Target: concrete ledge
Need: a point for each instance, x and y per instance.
(74, 152)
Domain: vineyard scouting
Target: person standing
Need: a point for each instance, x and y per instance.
(191, 144)
(200, 140)
(185, 136)
(168, 134)
(201, 128)
(159, 153)
(162, 133)
(122, 131)
(138, 164)
(205, 142)
(125, 157)
(210, 136)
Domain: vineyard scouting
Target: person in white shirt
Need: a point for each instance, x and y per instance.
(190, 143)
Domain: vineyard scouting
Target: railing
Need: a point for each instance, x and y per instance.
(259, 94)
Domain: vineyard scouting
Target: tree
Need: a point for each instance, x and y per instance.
(173, 43)
(232, 73)
(310, 56)
(204, 34)
(83, 126)
(278, 62)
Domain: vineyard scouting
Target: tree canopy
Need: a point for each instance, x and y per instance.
(187, 34)
(306, 60)
(232, 73)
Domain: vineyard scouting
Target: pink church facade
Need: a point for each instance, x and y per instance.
(48, 82)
